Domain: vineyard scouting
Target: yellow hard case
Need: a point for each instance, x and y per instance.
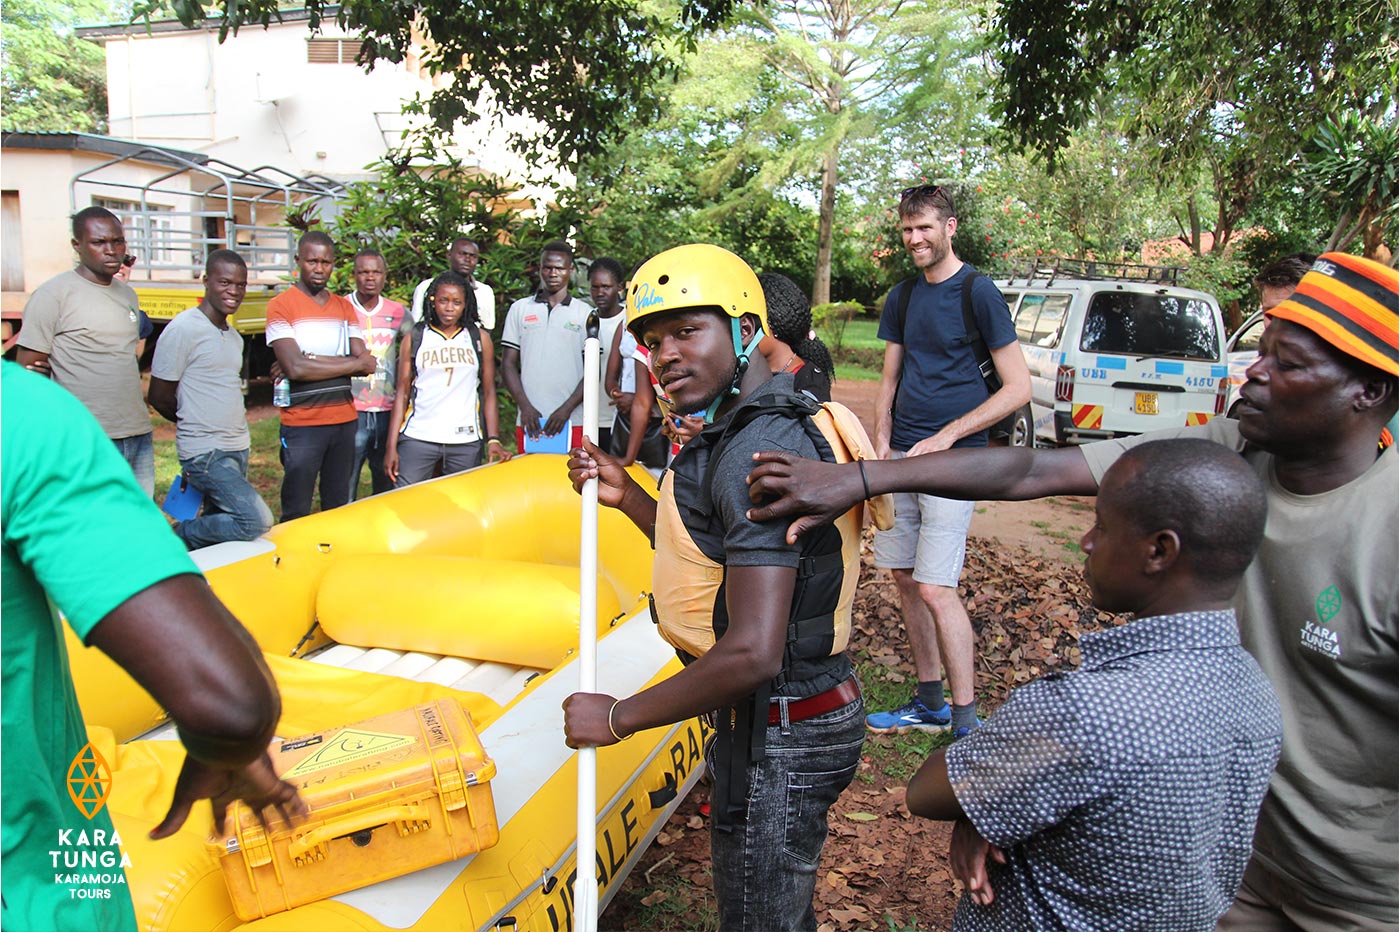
(387, 796)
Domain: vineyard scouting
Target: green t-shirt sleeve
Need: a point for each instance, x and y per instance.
(1102, 454)
(72, 510)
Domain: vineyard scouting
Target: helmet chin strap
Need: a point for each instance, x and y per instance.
(743, 353)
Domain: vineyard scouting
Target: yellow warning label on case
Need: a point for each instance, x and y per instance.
(352, 744)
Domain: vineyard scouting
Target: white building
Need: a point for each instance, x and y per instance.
(280, 96)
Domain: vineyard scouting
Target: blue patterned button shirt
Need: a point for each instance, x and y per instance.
(1124, 793)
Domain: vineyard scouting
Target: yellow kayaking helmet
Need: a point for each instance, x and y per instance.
(699, 275)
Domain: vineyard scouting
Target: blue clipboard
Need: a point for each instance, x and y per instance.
(183, 501)
(559, 443)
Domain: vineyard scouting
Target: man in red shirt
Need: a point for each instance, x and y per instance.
(319, 345)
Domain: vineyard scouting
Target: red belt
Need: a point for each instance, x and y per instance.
(833, 698)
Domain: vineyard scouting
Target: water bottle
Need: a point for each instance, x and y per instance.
(282, 393)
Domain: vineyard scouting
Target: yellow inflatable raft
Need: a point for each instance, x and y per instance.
(464, 588)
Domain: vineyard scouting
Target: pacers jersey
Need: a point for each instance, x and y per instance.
(444, 405)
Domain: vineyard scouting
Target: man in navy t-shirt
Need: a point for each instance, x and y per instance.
(932, 397)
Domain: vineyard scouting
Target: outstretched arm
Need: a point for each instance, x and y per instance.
(178, 641)
(816, 493)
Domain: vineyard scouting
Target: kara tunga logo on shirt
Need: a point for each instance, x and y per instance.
(1315, 636)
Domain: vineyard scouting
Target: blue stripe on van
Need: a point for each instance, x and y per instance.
(1219, 372)
(1170, 368)
(1110, 362)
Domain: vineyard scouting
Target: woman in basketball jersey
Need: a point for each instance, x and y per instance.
(445, 407)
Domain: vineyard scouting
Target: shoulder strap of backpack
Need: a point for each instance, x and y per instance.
(906, 292)
(415, 340)
(785, 405)
(974, 335)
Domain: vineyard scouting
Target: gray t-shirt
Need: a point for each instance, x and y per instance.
(207, 363)
(1317, 609)
(89, 333)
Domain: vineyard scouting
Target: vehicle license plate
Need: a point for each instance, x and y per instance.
(1145, 402)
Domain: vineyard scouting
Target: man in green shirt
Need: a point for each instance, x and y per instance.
(1317, 608)
(81, 537)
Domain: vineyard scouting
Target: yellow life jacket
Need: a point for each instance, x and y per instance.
(688, 570)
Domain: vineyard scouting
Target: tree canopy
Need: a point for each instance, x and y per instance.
(584, 71)
(53, 81)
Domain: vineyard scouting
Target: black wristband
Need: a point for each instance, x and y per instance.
(863, 481)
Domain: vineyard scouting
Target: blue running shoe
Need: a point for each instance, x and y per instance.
(912, 717)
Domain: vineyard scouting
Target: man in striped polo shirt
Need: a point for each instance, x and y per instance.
(319, 345)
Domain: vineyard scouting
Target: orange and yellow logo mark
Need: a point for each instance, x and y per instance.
(89, 781)
(1087, 416)
(1194, 418)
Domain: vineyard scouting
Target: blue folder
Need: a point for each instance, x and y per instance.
(559, 443)
(183, 500)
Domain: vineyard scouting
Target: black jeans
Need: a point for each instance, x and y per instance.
(323, 450)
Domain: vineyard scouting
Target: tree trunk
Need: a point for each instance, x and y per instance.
(826, 222)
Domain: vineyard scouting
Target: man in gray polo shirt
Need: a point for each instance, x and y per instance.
(542, 352)
(81, 328)
(195, 383)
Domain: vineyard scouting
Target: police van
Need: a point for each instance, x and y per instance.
(1115, 348)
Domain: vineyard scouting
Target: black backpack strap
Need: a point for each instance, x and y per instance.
(786, 405)
(974, 336)
(475, 331)
(906, 292)
(415, 340)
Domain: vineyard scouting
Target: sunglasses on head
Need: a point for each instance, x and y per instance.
(921, 190)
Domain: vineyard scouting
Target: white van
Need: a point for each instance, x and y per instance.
(1116, 349)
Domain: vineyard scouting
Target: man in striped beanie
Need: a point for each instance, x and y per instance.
(1317, 608)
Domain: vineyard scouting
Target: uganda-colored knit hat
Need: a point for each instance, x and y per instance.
(1352, 304)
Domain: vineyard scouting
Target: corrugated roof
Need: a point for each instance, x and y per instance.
(99, 32)
(107, 145)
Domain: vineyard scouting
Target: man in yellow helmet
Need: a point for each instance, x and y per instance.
(760, 623)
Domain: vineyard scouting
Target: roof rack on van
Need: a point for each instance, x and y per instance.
(1049, 268)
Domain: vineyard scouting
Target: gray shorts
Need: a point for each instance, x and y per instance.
(929, 536)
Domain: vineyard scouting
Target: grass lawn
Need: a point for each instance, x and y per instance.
(859, 336)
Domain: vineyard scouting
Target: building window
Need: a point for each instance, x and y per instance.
(333, 51)
(150, 235)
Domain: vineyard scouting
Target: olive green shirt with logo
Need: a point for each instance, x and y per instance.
(89, 333)
(1317, 609)
(78, 535)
